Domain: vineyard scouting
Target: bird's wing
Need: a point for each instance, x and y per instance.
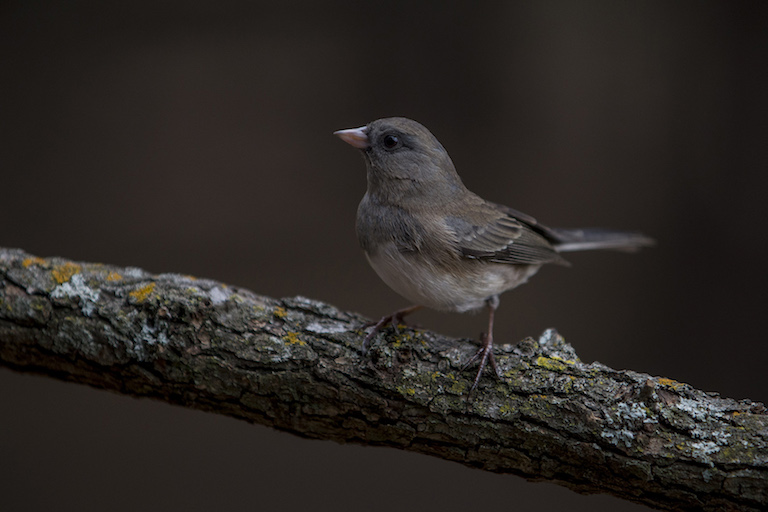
(492, 234)
(565, 240)
(548, 233)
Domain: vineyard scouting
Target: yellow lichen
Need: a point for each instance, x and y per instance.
(554, 363)
(63, 273)
(280, 312)
(114, 276)
(400, 339)
(506, 409)
(293, 338)
(671, 383)
(141, 294)
(34, 260)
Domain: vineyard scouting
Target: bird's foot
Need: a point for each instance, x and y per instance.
(485, 355)
(395, 319)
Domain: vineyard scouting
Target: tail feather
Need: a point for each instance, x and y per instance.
(599, 238)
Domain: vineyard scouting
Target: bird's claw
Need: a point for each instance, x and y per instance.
(485, 354)
(396, 318)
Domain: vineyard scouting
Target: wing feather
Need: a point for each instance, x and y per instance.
(495, 235)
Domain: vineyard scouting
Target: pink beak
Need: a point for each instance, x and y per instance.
(356, 137)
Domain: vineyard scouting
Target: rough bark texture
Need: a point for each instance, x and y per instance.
(295, 364)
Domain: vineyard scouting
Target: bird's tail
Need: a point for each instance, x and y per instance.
(598, 238)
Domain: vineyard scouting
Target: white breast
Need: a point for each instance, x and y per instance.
(444, 288)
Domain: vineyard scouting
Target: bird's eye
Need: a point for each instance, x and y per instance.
(391, 141)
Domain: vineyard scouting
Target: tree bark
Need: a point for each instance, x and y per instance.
(295, 364)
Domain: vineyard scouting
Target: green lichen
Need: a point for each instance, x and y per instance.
(457, 385)
(539, 406)
(745, 454)
(506, 409)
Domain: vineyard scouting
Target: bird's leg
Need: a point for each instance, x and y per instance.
(485, 354)
(395, 318)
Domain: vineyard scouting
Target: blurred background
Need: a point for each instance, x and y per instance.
(195, 137)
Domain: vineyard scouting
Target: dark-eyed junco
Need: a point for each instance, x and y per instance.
(439, 245)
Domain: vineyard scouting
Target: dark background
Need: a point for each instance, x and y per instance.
(195, 137)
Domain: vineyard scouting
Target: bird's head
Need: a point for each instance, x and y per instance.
(403, 158)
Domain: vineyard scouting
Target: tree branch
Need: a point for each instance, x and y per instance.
(295, 364)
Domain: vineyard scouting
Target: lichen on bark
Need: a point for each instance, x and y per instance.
(295, 364)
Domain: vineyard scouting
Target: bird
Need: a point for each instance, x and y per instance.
(443, 247)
